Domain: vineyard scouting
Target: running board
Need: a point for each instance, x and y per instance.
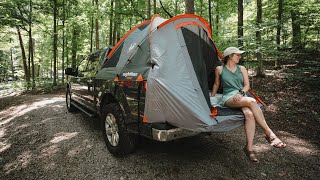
(83, 109)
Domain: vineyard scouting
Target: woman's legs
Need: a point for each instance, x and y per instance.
(259, 118)
(257, 113)
(249, 127)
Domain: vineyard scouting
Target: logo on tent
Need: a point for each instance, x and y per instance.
(131, 47)
(131, 74)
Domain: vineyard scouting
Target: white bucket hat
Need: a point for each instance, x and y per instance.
(231, 50)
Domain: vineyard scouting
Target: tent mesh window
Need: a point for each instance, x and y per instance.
(203, 56)
(113, 61)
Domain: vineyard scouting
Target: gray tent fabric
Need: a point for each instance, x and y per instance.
(133, 46)
(174, 56)
(174, 94)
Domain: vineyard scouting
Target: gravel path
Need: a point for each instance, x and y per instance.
(39, 139)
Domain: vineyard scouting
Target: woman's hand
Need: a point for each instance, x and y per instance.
(237, 98)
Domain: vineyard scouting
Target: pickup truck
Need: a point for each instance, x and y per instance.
(154, 83)
(117, 106)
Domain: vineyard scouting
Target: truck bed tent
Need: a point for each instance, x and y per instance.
(177, 58)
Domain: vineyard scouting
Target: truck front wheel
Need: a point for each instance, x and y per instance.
(70, 107)
(119, 142)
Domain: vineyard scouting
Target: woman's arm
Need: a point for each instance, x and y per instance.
(216, 80)
(246, 83)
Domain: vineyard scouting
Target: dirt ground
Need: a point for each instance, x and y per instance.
(39, 139)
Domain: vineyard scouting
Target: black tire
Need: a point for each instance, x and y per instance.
(119, 142)
(70, 107)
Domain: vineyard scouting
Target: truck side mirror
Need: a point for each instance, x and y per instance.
(71, 71)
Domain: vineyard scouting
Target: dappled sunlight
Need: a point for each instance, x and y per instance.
(4, 146)
(50, 166)
(11, 112)
(15, 111)
(2, 132)
(22, 126)
(277, 73)
(77, 150)
(290, 65)
(272, 108)
(21, 162)
(294, 144)
(63, 136)
(300, 146)
(49, 151)
(57, 108)
(260, 148)
(46, 120)
(33, 132)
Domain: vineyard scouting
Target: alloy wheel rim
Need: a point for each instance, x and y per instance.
(112, 131)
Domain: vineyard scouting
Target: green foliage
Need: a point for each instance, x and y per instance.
(127, 13)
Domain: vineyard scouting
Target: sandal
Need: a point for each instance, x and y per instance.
(251, 155)
(275, 141)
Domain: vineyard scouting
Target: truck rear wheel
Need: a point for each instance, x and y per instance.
(119, 142)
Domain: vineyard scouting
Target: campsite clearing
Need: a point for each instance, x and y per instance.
(39, 139)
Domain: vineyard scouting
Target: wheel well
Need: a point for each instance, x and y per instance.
(108, 98)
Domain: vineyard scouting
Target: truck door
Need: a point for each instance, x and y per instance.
(78, 81)
(82, 85)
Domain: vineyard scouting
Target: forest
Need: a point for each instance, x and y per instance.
(40, 38)
(41, 139)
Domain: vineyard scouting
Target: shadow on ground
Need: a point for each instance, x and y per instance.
(39, 139)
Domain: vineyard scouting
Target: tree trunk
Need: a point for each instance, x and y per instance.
(31, 45)
(279, 25)
(29, 59)
(118, 31)
(32, 61)
(11, 62)
(119, 20)
(63, 40)
(74, 46)
(240, 23)
(176, 7)
(296, 30)
(154, 6)
(210, 14)
(115, 24)
(67, 37)
(148, 9)
(114, 33)
(91, 30)
(258, 38)
(55, 39)
(111, 23)
(23, 54)
(97, 28)
(217, 19)
(279, 22)
(189, 6)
